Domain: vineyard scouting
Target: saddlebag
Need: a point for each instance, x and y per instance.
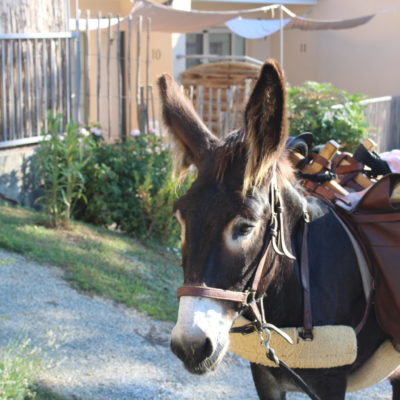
(375, 221)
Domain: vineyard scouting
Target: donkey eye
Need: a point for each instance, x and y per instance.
(242, 230)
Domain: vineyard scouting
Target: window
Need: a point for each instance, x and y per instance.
(217, 41)
(194, 45)
(220, 44)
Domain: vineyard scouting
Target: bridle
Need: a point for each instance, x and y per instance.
(274, 239)
(250, 299)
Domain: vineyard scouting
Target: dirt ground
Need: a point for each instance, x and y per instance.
(96, 350)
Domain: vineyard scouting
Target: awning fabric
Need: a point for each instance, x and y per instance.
(259, 28)
(170, 20)
(255, 28)
(307, 24)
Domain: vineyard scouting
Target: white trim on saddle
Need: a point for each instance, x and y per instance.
(366, 277)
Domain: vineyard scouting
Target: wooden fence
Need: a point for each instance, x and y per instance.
(220, 91)
(35, 78)
(92, 74)
(101, 72)
(115, 88)
(383, 115)
(221, 109)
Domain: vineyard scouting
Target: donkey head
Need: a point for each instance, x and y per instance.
(224, 214)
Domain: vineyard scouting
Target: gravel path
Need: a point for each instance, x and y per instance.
(105, 351)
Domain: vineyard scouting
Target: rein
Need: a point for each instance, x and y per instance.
(247, 299)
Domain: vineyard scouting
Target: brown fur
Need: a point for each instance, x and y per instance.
(266, 127)
(190, 137)
(235, 147)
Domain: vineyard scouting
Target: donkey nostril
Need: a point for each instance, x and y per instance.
(208, 348)
(192, 351)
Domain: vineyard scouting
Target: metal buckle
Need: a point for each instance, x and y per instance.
(264, 341)
(250, 298)
(306, 335)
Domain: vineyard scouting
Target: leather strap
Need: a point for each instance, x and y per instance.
(212, 293)
(260, 268)
(320, 190)
(320, 160)
(346, 169)
(244, 298)
(349, 180)
(365, 218)
(305, 280)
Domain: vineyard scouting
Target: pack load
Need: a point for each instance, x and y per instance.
(364, 190)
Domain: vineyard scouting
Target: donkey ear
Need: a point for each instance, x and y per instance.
(265, 123)
(192, 138)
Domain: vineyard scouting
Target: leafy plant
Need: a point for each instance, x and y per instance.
(130, 185)
(60, 159)
(327, 112)
(19, 366)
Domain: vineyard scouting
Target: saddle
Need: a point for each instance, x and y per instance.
(369, 205)
(375, 222)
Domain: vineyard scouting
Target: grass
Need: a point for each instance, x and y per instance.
(20, 364)
(97, 261)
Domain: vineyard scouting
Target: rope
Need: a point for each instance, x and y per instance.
(295, 377)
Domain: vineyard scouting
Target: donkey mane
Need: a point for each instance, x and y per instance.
(235, 148)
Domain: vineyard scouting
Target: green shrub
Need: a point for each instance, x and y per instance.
(327, 112)
(60, 159)
(130, 184)
(19, 366)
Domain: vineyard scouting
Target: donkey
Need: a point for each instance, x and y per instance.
(225, 224)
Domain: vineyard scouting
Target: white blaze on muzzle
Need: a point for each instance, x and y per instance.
(201, 318)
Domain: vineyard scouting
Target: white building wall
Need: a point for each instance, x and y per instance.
(179, 40)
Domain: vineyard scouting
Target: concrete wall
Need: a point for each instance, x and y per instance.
(17, 183)
(365, 59)
(351, 59)
(179, 41)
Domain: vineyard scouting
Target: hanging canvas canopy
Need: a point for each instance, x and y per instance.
(256, 28)
(170, 20)
(242, 22)
(307, 24)
(259, 28)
